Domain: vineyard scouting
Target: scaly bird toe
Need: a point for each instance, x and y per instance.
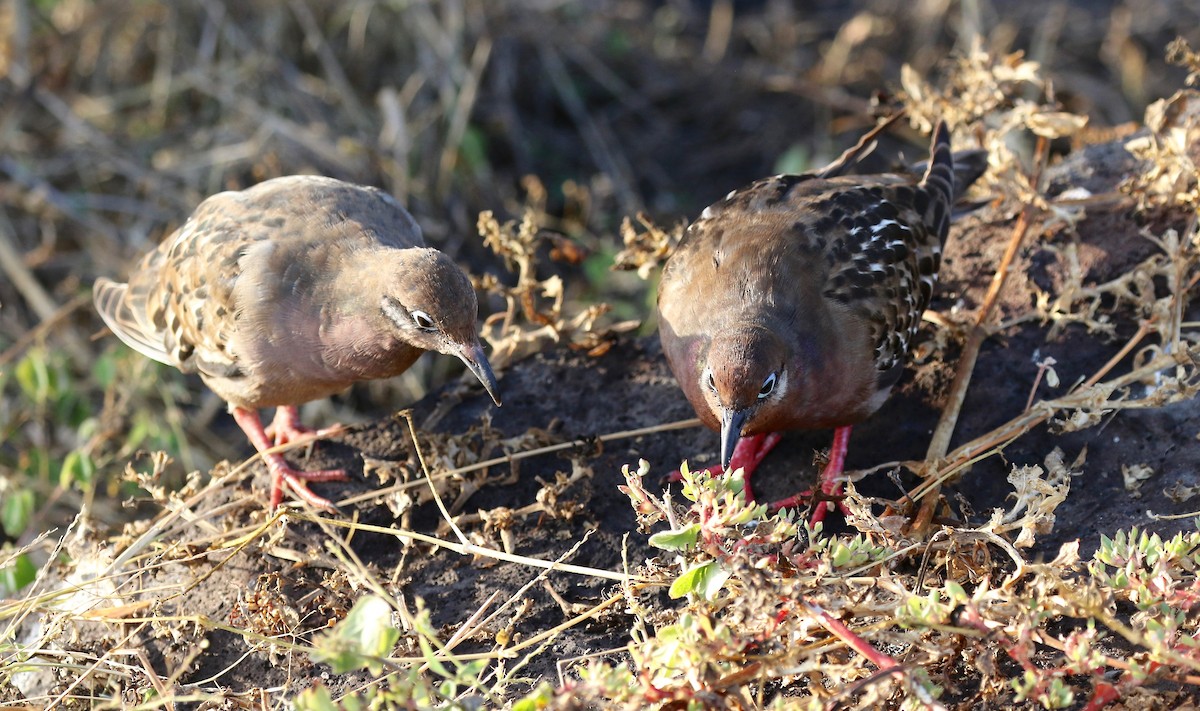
(296, 480)
(831, 477)
(286, 427)
(283, 474)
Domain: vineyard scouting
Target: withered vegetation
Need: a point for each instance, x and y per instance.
(117, 120)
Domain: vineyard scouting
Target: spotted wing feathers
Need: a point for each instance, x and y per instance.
(885, 258)
(879, 238)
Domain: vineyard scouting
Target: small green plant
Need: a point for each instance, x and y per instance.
(365, 640)
(362, 640)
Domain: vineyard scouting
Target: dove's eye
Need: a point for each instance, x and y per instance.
(767, 386)
(423, 321)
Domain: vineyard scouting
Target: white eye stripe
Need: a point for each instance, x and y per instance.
(394, 311)
(404, 318)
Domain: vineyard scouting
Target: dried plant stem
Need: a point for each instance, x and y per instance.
(516, 596)
(1037, 380)
(604, 150)
(130, 635)
(1055, 643)
(38, 332)
(862, 148)
(459, 117)
(591, 613)
(472, 549)
(940, 444)
(437, 498)
(987, 444)
(36, 296)
(517, 456)
(155, 680)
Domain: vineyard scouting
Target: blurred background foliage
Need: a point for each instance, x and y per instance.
(117, 118)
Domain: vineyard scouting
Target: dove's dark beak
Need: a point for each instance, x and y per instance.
(732, 422)
(478, 364)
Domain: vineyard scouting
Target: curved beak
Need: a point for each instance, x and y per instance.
(479, 366)
(732, 422)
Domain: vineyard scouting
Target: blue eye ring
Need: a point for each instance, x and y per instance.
(423, 321)
(767, 386)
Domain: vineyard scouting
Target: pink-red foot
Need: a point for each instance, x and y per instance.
(831, 483)
(286, 428)
(747, 455)
(750, 452)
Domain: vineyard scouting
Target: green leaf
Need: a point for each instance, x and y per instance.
(597, 267)
(363, 639)
(842, 556)
(431, 657)
(794, 161)
(17, 575)
(33, 377)
(315, 698)
(678, 539)
(536, 700)
(104, 369)
(16, 511)
(473, 149)
(705, 579)
(78, 468)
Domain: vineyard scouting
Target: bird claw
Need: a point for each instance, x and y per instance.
(825, 503)
(286, 427)
(831, 483)
(794, 501)
(296, 480)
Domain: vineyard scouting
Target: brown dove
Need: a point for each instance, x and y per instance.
(790, 304)
(290, 291)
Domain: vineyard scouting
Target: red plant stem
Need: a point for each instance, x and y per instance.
(858, 644)
(1103, 695)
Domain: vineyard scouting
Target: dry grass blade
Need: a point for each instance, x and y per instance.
(470, 549)
(517, 456)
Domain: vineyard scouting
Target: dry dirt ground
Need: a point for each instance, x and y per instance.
(280, 581)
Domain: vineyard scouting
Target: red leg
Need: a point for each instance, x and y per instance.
(286, 427)
(283, 474)
(831, 485)
(749, 453)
